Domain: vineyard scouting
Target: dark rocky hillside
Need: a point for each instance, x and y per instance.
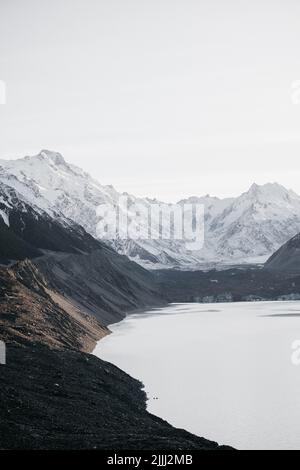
(53, 399)
(13, 247)
(53, 394)
(85, 271)
(30, 230)
(287, 259)
(32, 312)
(101, 283)
(230, 285)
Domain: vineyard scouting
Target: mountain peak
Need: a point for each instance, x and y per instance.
(254, 187)
(267, 189)
(55, 157)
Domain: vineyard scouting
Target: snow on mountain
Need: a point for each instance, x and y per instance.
(257, 222)
(54, 185)
(249, 227)
(26, 229)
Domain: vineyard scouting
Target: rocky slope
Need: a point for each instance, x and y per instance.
(102, 283)
(84, 270)
(53, 395)
(53, 399)
(286, 260)
(32, 312)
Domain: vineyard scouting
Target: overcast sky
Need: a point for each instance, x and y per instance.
(165, 98)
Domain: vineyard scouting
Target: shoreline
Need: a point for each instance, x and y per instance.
(127, 314)
(122, 354)
(56, 395)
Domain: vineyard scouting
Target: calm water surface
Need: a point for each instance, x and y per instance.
(222, 371)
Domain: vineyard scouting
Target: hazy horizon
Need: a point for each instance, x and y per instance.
(164, 99)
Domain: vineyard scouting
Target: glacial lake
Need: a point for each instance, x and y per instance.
(221, 371)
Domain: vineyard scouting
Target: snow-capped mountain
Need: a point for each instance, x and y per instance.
(249, 227)
(26, 229)
(50, 183)
(243, 229)
(257, 222)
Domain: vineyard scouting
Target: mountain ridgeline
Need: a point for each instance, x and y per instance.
(59, 289)
(248, 228)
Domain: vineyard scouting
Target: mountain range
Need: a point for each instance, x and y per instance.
(245, 229)
(61, 288)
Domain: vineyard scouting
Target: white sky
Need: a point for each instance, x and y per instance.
(165, 98)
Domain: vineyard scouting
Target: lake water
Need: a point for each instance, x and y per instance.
(222, 371)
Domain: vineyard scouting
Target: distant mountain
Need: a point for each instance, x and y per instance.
(248, 228)
(255, 224)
